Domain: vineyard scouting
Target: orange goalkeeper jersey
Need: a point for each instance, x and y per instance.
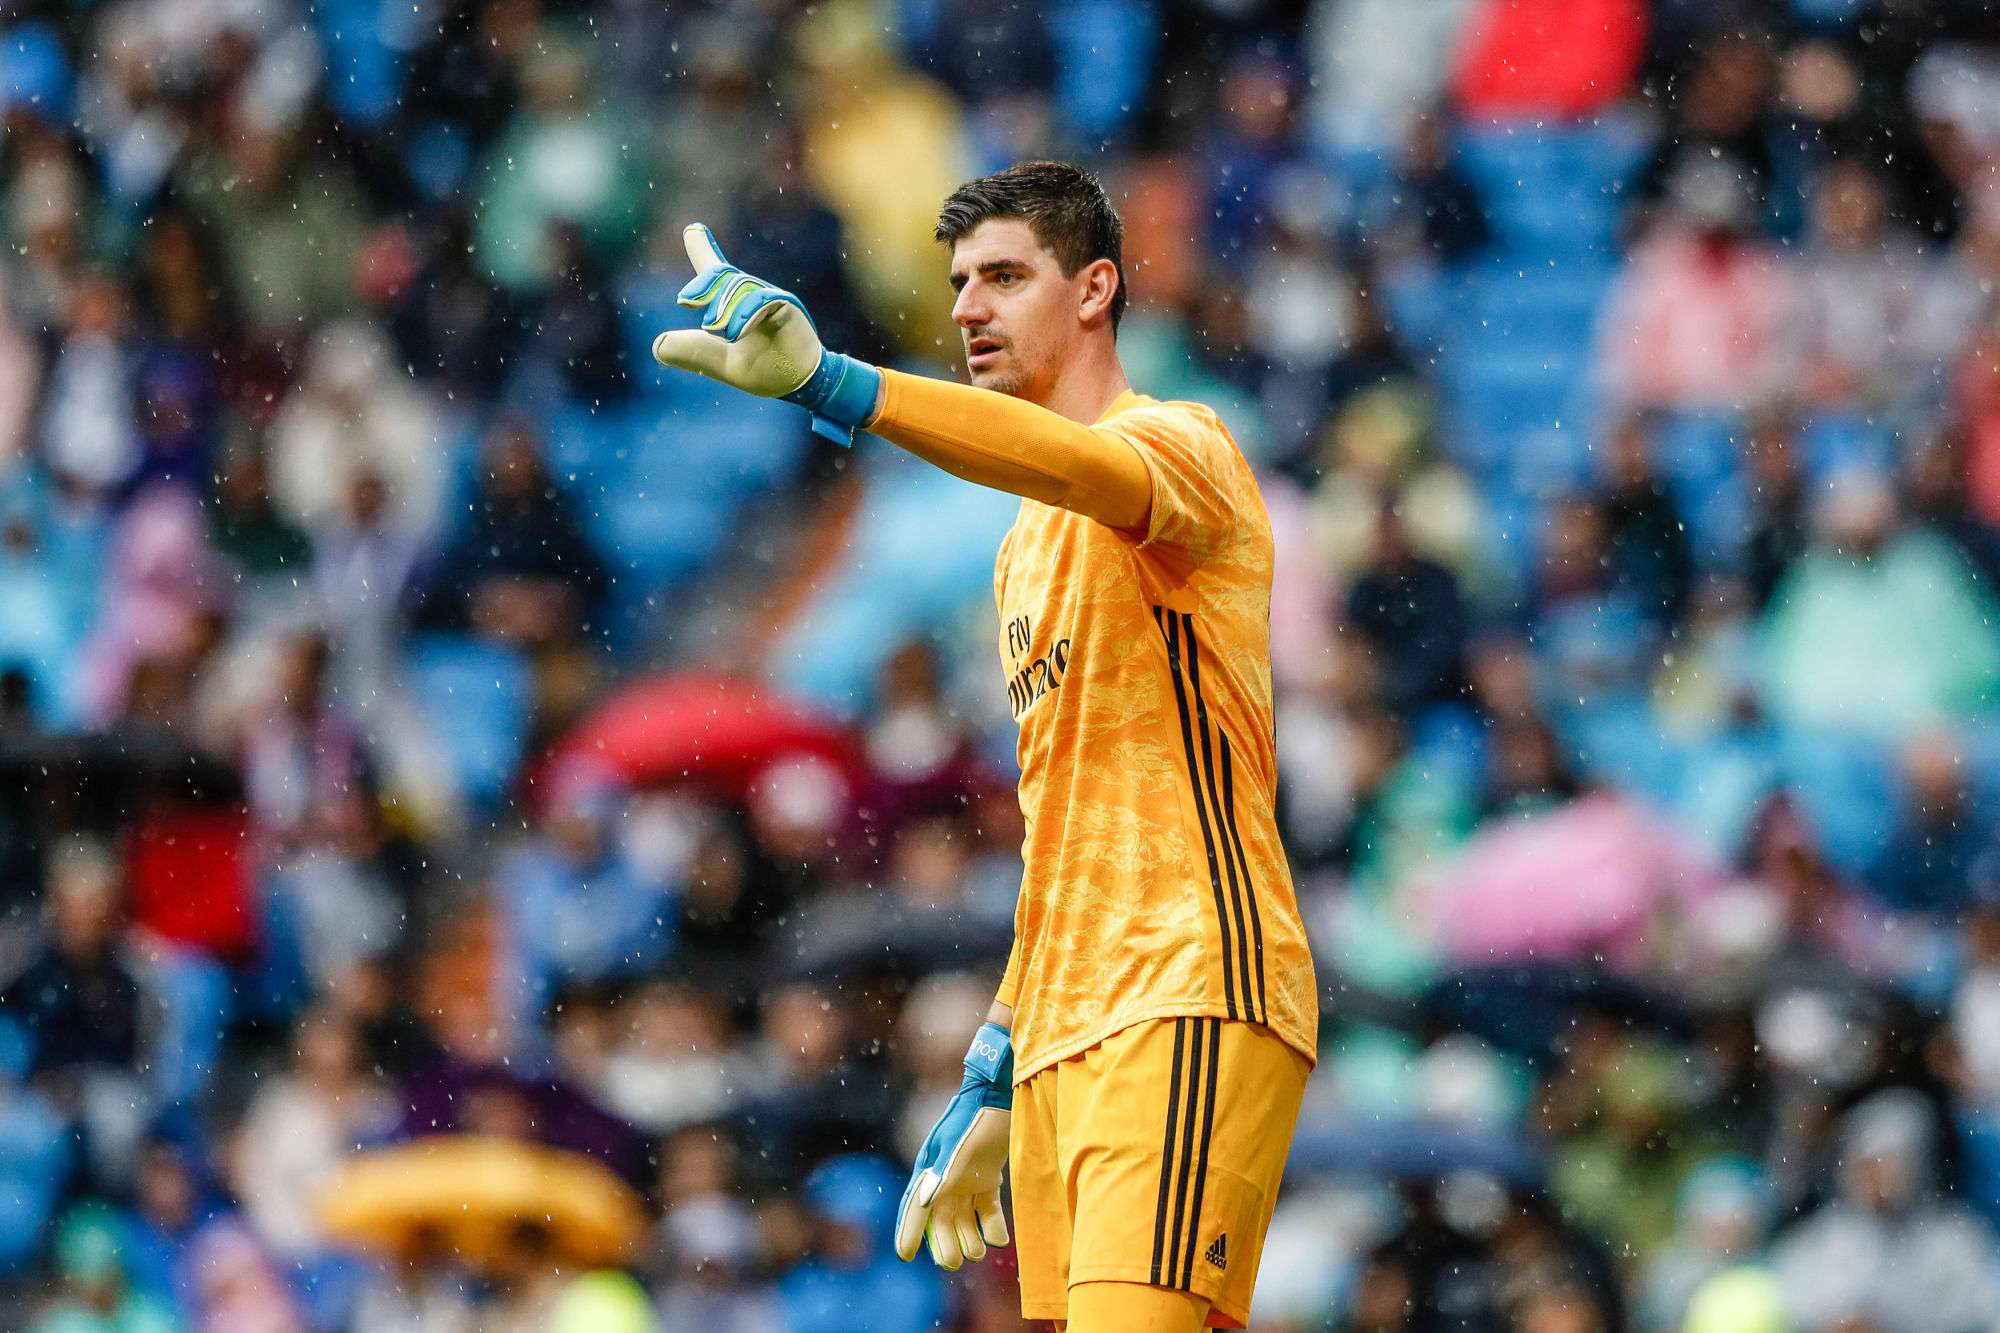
(1139, 670)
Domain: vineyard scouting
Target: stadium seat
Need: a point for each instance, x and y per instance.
(34, 1163)
(1106, 50)
(194, 994)
(1843, 786)
(922, 550)
(482, 697)
(1723, 783)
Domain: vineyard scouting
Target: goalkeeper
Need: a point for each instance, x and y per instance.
(1142, 1066)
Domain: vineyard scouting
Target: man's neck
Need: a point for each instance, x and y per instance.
(1088, 385)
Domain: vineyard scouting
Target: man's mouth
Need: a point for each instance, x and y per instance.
(981, 352)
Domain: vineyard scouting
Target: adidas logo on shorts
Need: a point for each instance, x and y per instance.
(1218, 1251)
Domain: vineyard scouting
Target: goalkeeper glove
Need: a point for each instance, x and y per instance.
(954, 1192)
(758, 338)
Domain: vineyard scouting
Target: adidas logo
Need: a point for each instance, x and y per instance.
(1218, 1251)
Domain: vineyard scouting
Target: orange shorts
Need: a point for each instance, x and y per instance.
(1154, 1157)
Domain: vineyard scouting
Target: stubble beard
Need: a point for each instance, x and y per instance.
(1009, 382)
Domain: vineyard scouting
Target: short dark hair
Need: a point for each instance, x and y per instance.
(1064, 205)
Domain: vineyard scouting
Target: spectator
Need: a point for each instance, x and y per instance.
(362, 566)
(1595, 638)
(244, 526)
(1409, 612)
(1720, 1223)
(449, 320)
(708, 1242)
(1858, 287)
(579, 907)
(1525, 769)
(1887, 1248)
(1776, 533)
(301, 1126)
(352, 412)
(1444, 206)
(1934, 492)
(574, 339)
(521, 569)
(287, 216)
(1629, 1148)
(676, 1061)
(853, 1280)
(90, 435)
(1695, 322)
(819, 1099)
(78, 1006)
(1649, 542)
(1876, 629)
(557, 161)
(95, 1295)
(1936, 837)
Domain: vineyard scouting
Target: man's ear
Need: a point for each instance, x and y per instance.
(1100, 284)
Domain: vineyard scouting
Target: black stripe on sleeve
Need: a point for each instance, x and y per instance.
(1249, 888)
(1215, 802)
(1170, 628)
(1160, 1250)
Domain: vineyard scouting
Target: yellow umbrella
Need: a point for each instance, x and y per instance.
(492, 1200)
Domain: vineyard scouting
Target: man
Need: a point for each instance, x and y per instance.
(1158, 1015)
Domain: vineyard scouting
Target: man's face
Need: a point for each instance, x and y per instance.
(1016, 311)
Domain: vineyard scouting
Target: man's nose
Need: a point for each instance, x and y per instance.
(969, 310)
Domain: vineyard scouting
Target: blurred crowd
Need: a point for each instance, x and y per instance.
(1624, 376)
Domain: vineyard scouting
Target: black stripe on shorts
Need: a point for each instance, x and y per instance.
(1184, 1155)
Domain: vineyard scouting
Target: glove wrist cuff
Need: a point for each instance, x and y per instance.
(989, 1065)
(840, 394)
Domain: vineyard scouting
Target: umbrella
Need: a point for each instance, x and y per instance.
(716, 727)
(1568, 883)
(472, 1194)
(112, 771)
(1526, 1007)
(863, 933)
(1416, 1150)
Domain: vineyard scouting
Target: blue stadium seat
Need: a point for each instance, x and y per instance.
(737, 444)
(1844, 786)
(195, 996)
(34, 1164)
(1618, 741)
(1835, 441)
(1697, 448)
(922, 550)
(1105, 57)
(660, 534)
(582, 440)
(1717, 512)
(482, 698)
(1723, 784)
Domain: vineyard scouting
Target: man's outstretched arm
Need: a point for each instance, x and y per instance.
(758, 338)
(1015, 446)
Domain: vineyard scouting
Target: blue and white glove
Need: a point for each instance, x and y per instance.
(758, 338)
(954, 1192)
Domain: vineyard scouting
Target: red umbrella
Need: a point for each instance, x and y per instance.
(720, 729)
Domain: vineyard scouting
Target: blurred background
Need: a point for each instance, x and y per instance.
(495, 836)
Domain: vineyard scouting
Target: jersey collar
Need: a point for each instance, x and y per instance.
(1124, 402)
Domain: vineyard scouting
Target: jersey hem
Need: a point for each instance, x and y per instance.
(1111, 1027)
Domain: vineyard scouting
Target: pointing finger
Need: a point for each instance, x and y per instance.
(702, 250)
